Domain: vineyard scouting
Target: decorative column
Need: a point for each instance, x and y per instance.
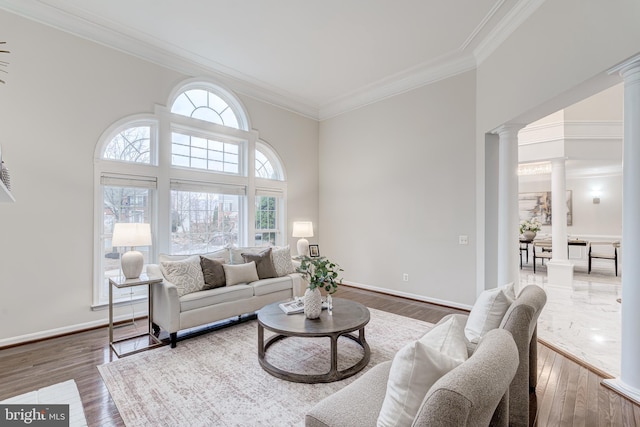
(508, 243)
(629, 381)
(559, 268)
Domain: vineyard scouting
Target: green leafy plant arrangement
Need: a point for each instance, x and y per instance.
(320, 273)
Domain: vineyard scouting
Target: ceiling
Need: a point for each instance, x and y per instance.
(316, 57)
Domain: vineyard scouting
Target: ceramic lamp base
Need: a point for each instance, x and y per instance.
(303, 247)
(132, 263)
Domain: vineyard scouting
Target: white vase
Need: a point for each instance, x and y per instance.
(312, 303)
(529, 235)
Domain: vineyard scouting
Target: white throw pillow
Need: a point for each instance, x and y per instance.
(487, 313)
(416, 367)
(186, 274)
(281, 257)
(240, 273)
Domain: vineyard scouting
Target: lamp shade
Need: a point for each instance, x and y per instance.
(302, 229)
(131, 234)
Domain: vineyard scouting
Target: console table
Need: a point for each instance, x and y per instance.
(121, 282)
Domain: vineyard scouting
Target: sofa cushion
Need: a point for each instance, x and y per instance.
(417, 366)
(222, 253)
(240, 273)
(213, 272)
(185, 274)
(235, 253)
(486, 313)
(264, 264)
(214, 296)
(268, 286)
(281, 257)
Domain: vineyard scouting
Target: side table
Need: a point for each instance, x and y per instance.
(121, 282)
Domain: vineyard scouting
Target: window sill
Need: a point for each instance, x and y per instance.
(119, 303)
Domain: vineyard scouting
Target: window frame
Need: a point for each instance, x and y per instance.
(163, 122)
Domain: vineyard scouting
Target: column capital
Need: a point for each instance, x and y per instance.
(627, 68)
(508, 129)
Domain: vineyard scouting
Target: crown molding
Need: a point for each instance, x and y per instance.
(141, 45)
(398, 83)
(507, 25)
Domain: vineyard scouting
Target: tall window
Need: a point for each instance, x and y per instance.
(184, 170)
(203, 222)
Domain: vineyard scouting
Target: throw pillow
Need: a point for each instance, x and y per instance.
(281, 257)
(264, 264)
(186, 274)
(213, 272)
(486, 313)
(240, 273)
(416, 367)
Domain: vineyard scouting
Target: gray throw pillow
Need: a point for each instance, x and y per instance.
(264, 263)
(213, 272)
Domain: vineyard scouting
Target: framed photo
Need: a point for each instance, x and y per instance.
(314, 251)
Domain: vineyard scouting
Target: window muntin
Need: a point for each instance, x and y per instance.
(203, 153)
(205, 105)
(203, 222)
(133, 144)
(267, 221)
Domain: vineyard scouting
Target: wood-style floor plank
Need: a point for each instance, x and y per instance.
(567, 393)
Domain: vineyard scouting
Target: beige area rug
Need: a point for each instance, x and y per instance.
(216, 380)
(65, 393)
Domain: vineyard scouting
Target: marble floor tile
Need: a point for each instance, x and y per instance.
(584, 319)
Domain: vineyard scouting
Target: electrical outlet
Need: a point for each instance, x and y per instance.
(405, 277)
(463, 240)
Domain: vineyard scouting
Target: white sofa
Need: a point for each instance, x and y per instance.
(174, 310)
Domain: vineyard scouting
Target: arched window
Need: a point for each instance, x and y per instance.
(185, 171)
(132, 144)
(211, 104)
(268, 166)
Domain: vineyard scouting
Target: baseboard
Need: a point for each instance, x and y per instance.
(409, 295)
(66, 330)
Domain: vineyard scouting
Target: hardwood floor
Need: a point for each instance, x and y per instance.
(567, 393)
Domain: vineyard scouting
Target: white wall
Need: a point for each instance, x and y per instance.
(589, 219)
(61, 93)
(397, 189)
(559, 56)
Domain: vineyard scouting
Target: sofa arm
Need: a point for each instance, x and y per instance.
(299, 284)
(166, 304)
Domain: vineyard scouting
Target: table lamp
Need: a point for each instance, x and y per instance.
(131, 234)
(303, 229)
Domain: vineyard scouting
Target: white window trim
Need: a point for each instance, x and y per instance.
(163, 123)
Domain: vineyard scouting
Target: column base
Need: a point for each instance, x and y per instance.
(619, 387)
(560, 272)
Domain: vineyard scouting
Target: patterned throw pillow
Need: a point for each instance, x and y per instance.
(282, 260)
(213, 272)
(185, 274)
(264, 264)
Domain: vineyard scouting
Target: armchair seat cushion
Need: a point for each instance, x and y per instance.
(214, 296)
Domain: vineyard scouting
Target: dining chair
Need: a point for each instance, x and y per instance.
(543, 253)
(604, 250)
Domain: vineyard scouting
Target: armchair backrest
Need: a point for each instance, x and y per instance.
(469, 394)
(521, 320)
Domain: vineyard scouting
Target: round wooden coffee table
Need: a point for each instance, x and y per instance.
(348, 316)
